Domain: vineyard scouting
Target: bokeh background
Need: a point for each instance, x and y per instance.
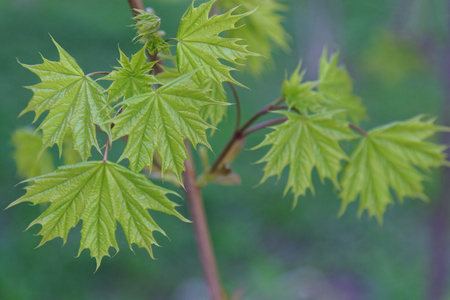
(397, 51)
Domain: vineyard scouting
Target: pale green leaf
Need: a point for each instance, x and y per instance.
(132, 78)
(394, 157)
(200, 46)
(303, 143)
(160, 121)
(74, 102)
(101, 194)
(27, 146)
(261, 30)
(213, 113)
(337, 88)
(301, 95)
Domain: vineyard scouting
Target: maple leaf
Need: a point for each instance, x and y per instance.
(302, 95)
(337, 88)
(73, 101)
(101, 194)
(395, 157)
(132, 78)
(200, 46)
(26, 154)
(160, 120)
(261, 30)
(213, 113)
(304, 143)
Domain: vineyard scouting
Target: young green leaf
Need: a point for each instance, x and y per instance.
(73, 101)
(101, 194)
(394, 157)
(26, 154)
(304, 143)
(161, 120)
(301, 95)
(261, 30)
(132, 78)
(337, 88)
(147, 25)
(213, 113)
(200, 46)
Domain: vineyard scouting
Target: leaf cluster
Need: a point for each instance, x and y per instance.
(157, 109)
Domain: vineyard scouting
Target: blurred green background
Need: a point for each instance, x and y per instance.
(394, 50)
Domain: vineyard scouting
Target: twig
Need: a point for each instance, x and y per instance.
(263, 125)
(238, 106)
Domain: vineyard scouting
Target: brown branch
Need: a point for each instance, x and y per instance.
(263, 125)
(202, 235)
(136, 4)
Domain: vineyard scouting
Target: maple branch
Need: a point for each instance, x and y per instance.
(239, 133)
(263, 125)
(202, 234)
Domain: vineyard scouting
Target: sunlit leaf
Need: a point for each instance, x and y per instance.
(160, 121)
(303, 143)
(262, 30)
(74, 103)
(132, 78)
(101, 194)
(337, 88)
(394, 157)
(200, 46)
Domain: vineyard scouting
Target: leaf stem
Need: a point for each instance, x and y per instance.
(238, 105)
(105, 154)
(202, 234)
(270, 107)
(97, 73)
(356, 128)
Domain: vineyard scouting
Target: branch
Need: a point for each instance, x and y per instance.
(263, 125)
(202, 235)
(136, 4)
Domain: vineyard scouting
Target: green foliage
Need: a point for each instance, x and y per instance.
(336, 86)
(26, 155)
(394, 157)
(132, 78)
(73, 101)
(101, 194)
(147, 25)
(261, 30)
(200, 46)
(161, 120)
(156, 115)
(304, 143)
(332, 91)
